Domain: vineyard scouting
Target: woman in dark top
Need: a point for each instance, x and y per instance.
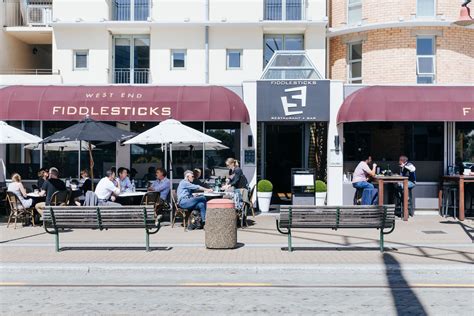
(42, 177)
(237, 177)
(85, 183)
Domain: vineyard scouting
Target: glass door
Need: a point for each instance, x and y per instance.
(131, 59)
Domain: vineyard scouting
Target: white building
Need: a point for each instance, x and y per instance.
(156, 43)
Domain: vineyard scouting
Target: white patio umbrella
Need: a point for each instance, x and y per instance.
(171, 132)
(13, 135)
(62, 146)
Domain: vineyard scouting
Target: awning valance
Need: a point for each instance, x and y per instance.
(122, 103)
(409, 103)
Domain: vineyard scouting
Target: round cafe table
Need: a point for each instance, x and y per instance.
(130, 198)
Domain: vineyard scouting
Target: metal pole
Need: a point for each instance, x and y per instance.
(42, 146)
(171, 167)
(203, 174)
(79, 160)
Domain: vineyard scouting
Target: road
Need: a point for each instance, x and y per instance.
(237, 290)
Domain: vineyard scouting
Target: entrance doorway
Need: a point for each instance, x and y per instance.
(283, 150)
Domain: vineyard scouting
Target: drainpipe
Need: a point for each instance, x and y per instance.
(206, 43)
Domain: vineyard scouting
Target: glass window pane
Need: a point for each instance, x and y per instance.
(142, 53)
(425, 8)
(179, 59)
(465, 145)
(121, 10)
(273, 10)
(81, 60)
(356, 51)
(293, 9)
(234, 59)
(141, 10)
(425, 79)
(356, 69)
(424, 46)
(272, 44)
(425, 65)
(293, 42)
(354, 14)
(122, 53)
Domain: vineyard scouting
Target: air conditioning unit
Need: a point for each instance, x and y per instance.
(40, 15)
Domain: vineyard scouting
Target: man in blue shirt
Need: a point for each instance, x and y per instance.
(124, 180)
(186, 200)
(161, 184)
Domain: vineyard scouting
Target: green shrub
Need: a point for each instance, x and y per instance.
(264, 186)
(320, 186)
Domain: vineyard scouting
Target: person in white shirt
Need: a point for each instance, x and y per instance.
(106, 189)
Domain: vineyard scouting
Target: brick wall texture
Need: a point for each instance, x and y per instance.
(376, 11)
(389, 55)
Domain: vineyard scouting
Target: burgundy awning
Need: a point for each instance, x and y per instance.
(122, 103)
(409, 103)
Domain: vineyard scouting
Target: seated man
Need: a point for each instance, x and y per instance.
(161, 184)
(407, 169)
(106, 189)
(197, 174)
(49, 187)
(124, 180)
(186, 200)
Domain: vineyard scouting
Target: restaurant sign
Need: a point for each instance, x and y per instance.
(293, 100)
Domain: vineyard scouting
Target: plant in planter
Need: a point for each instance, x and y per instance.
(321, 190)
(264, 195)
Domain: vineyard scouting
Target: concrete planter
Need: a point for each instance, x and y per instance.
(264, 199)
(321, 198)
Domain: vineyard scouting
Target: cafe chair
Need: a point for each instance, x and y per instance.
(358, 196)
(179, 212)
(151, 198)
(17, 210)
(60, 198)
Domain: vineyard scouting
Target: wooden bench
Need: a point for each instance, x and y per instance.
(58, 218)
(335, 217)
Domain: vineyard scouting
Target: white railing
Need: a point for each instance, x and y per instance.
(25, 13)
(290, 10)
(24, 71)
(127, 75)
(130, 10)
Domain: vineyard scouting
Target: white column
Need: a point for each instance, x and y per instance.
(246, 130)
(334, 164)
(122, 156)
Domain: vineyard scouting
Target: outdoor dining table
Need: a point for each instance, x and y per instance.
(381, 180)
(130, 198)
(461, 180)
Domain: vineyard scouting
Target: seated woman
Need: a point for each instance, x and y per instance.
(85, 184)
(16, 186)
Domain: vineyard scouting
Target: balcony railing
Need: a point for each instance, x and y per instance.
(127, 75)
(28, 13)
(290, 10)
(35, 72)
(130, 10)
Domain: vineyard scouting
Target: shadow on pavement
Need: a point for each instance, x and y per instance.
(20, 238)
(342, 248)
(92, 248)
(404, 298)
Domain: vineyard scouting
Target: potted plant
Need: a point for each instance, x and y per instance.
(321, 190)
(264, 195)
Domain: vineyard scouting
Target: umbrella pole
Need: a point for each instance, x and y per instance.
(166, 157)
(171, 167)
(91, 164)
(203, 162)
(79, 161)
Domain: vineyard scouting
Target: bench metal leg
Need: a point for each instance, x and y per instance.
(56, 238)
(147, 241)
(290, 247)
(381, 240)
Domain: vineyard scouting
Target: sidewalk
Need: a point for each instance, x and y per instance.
(421, 240)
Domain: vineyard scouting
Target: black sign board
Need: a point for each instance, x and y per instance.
(293, 100)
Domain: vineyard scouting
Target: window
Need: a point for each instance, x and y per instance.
(81, 59)
(234, 59)
(131, 59)
(355, 63)
(425, 8)
(425, 59)
(284, 10)
(354, 12)
(130, 10)
(464, 145)
(178, 59)
(281, 42)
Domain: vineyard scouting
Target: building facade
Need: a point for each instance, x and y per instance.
(414, 50)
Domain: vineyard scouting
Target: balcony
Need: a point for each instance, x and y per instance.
(284, 10)
(30, 76)
(135, 76)
(130, 10)
(28, 13)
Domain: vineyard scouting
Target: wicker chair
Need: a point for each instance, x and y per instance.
(17, 210)
(60, 198)
(178, 212)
